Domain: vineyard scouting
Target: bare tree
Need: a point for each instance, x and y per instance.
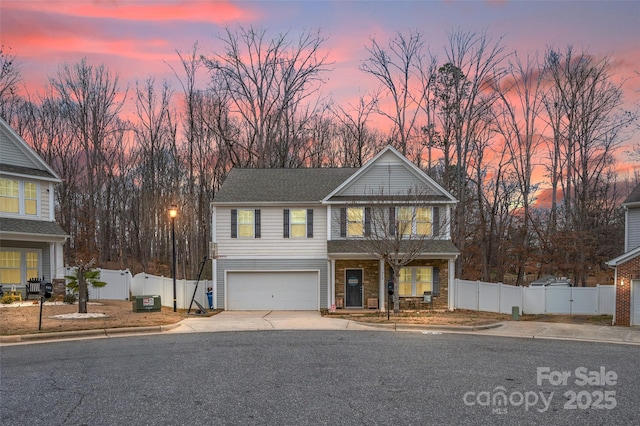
(583, 108)
(473, 60)
(518, 121)
(92, 100)
(398, 69)
(264, 80)
(358, 142)
(399, 228)
(9, 81)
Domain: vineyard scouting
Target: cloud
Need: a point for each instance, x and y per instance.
(218, 12)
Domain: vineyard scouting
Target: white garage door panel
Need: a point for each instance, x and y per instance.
(256, 291)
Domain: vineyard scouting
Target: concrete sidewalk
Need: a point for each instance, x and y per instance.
(310, 320)
(265, 320)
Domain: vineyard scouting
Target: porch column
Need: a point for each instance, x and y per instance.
(452, 287)
(332, 282)
(381, 287)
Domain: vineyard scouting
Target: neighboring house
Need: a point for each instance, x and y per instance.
(286, 239)
(30, 240)
(627, 266)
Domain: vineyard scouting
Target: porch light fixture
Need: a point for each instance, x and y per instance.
(173, 213)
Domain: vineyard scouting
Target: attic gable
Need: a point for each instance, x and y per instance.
(389, 173)
(18, 158)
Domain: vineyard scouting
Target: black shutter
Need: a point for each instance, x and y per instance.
(257, 223)
(367, 221)
(436, 221)
(343, 222)
(234, 223)
(309, 223)
(392, 221)
(285, 223)
(436, 282)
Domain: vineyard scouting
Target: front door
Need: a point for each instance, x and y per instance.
(353, 288)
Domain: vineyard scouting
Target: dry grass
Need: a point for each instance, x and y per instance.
(465, 318)
(24, 319)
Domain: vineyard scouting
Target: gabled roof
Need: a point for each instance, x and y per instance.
(13, 147)
(280, 185)
(438, 193)
(624, 258)
(633, 200)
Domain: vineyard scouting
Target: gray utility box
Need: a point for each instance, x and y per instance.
(146, 303)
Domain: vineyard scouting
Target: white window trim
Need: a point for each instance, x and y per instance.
(291, 224)
(22, 198)
(349, 235)
(253, 224)
(414, 221)
(23, 262)
(414, 281)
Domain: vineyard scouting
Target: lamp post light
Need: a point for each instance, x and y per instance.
(173, 212)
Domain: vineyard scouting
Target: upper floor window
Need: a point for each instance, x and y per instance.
(245, 223)
(298, 223)
(416, 221)
(18, 197)
(355, 222)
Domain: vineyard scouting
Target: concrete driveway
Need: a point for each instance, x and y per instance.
(265, 320)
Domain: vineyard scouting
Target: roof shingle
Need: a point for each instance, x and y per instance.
(280, 185)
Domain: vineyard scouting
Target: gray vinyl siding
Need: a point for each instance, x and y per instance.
(272, 241)
(270, 265)
(386, 179)
(11, 154)
(633, 229)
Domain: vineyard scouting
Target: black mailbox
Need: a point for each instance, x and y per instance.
(47, 288)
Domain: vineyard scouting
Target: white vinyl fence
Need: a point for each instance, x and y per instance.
(117, 288)
(121, 286)
(151, 285)
(494, 297)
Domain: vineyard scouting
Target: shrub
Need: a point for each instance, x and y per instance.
(6, 299)
(70, 298)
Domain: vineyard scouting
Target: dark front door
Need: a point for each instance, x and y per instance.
(353, 289)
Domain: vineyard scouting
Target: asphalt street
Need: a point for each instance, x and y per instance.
(319, 377)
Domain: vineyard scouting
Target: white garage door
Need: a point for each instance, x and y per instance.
(635, 303)
(279, 291)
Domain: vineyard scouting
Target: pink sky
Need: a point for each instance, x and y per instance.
(140, 38)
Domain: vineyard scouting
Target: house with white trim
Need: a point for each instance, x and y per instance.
(627, 266)
(31, 242)
(288, 239)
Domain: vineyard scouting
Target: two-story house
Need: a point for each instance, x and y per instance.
(31, 241)
(290, 239)
(627, 265)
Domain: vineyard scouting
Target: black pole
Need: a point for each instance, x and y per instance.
(40, 319)
(197, 282)
(388, 306)
(173, 240)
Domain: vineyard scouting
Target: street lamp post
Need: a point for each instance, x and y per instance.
(173, 212)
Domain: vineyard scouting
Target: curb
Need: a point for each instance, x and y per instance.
(416, 327)
(78, 334)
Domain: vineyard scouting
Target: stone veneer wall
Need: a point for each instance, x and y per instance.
(370, 278)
